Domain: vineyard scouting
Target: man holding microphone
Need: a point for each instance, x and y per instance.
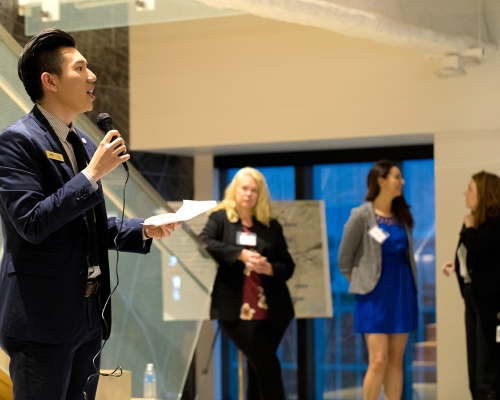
(54, 276)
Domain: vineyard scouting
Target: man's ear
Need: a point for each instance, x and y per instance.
(49, 81)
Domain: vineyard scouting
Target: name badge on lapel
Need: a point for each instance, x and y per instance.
(55, 156)
(246, 239)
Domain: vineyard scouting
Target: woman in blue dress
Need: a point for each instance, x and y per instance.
(376, 256)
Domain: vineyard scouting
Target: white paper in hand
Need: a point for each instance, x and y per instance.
(188, 210)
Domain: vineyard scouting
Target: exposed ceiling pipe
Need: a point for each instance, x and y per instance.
(357, 23)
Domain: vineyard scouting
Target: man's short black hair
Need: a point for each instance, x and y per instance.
(42, 54)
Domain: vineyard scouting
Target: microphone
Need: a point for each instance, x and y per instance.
(105, 123)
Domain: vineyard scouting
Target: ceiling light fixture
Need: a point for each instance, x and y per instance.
(144, 5)
(453, 65)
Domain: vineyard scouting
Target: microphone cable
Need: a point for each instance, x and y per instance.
(117, 372)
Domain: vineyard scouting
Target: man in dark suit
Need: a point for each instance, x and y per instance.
(54, 276)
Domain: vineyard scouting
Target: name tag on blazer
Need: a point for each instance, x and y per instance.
(55, 156)
(378, 234)
(246, 239)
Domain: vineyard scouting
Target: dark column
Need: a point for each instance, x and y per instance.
(306, 363)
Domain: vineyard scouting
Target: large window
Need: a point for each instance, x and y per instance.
(340, 355)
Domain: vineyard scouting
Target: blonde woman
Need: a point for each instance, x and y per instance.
(250, 297)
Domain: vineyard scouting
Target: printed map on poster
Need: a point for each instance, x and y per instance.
(304, 228)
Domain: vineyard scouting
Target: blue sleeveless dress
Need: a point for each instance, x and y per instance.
(391, 307)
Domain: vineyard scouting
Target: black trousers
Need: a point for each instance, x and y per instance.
(483, 352)
(42, 371)
(259, 340)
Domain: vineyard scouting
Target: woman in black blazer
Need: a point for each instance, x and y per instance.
(477, 266)
(250, 297)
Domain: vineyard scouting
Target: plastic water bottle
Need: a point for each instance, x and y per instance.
(149, 382)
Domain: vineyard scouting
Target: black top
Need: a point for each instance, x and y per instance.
(219, 235)
(483, 257)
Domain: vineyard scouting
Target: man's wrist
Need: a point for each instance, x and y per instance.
(91, 179)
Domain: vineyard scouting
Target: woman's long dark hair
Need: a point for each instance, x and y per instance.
(399, 208)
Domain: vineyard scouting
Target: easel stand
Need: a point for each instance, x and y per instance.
(241, 376)
(204, 373)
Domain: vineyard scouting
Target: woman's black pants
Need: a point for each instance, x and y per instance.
(483, 352)
(259, 340)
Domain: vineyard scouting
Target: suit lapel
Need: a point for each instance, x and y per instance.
(54, 143)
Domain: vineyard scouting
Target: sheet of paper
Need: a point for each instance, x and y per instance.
(188, 210)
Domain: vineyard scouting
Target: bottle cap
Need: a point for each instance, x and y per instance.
(150, 365)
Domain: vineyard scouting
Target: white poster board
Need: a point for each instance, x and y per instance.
(304, 228)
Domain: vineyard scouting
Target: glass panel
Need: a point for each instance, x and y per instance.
(81, 15)
(419, 176)
(14, 102)
(163, 296)
(342, 187)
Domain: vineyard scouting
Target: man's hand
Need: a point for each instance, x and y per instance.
(159, 232)
(107, 156)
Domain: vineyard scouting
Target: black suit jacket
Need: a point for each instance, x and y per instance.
(483, 257)
(219, 235)
(42, 207)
